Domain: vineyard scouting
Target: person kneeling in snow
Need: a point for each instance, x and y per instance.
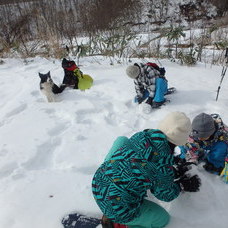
(150, 83)
(145, 161)
(208, 142)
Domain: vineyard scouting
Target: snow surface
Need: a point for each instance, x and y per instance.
(50, 151)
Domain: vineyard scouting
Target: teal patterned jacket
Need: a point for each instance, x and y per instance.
(142, 162)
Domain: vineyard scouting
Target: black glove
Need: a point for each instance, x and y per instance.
(181, 166)
(178, 160)
(162, 71)
(139, 99)
(181, 169)
(189, 184)
(149, 101)
(212, 169)
(209, 167)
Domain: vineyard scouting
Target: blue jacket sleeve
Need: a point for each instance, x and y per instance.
(183, 151)
(217, 154)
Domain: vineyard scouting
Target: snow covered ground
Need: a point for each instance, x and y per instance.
(50, 151)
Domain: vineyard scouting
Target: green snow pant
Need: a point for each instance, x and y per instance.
(119, 142)
(151, 214)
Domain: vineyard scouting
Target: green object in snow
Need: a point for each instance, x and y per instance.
(85, 82)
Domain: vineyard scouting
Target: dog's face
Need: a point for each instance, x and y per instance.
(69, 65)
(46, 86)
(45, 78)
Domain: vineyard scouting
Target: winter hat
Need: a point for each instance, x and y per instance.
(133, 71)
(177, 127)
(203, 126)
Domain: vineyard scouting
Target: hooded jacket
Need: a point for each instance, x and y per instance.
(135, 165)
(213, 151)
(146, 79)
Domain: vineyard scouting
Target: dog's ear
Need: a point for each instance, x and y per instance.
(48, 74)
(43, 77)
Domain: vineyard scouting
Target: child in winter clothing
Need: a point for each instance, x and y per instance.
(143, 162)
(150, 83)
(208, 142)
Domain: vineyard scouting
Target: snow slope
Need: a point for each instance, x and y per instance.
(50, 151)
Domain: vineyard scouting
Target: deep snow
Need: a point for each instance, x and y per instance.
(50, 151)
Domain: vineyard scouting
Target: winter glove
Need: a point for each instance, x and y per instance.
(149, 101)
(162, 71)
(139, 99)
(212, 169)
(178, 160)
(181, 168)
(189, 184)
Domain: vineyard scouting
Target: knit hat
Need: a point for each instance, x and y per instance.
(133, 71)
(203, 126)
(177, 127)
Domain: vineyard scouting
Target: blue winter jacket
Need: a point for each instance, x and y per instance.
(213, 150)
(217, 154)
(134, 165)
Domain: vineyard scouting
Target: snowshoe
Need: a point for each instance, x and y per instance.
(171, 90)
(148, 108)
(80, 221)
(156, 105)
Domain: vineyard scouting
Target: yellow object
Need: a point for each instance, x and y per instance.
(77, 72)
(85, 82)
(224, 173)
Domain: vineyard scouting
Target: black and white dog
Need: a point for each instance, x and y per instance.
(48, 87)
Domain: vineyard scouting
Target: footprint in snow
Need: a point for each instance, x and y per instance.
(58, 129)
(81, 137)
(16, 110)
(8, 117)
(88, 170)
(130, 104)
(35, 93)
(8, 169)
(44, 155)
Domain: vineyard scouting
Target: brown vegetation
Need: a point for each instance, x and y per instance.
(49, 25)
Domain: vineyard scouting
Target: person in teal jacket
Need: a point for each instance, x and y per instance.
(143, 162)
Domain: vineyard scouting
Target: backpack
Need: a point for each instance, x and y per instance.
(224, 129)
(156, 67)
(224, 173)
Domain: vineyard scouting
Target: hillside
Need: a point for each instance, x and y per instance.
(32, 28)
(50, 151)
